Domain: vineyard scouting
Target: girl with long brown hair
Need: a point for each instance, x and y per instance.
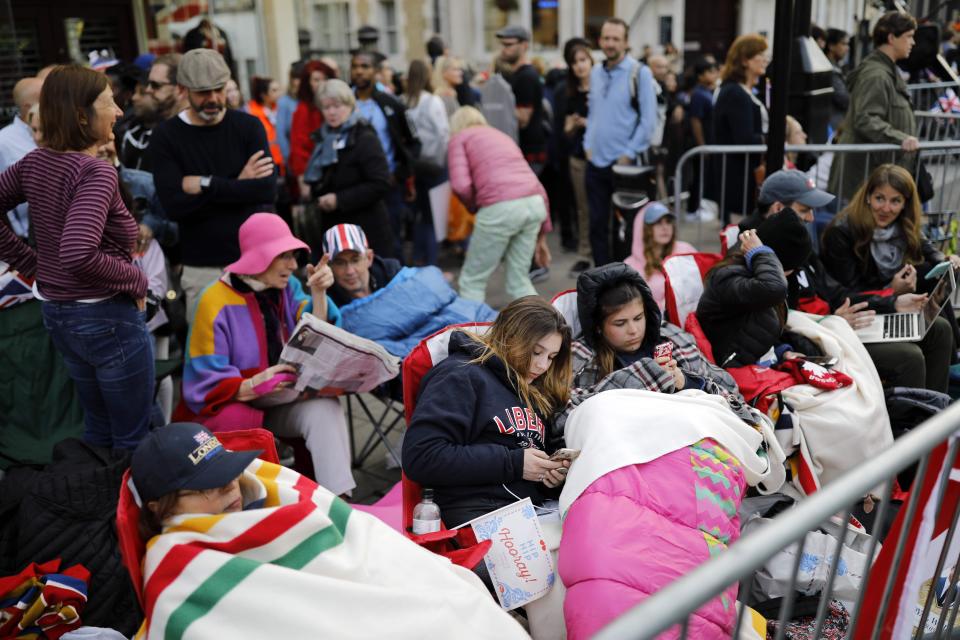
(653, 241)
(478, 433)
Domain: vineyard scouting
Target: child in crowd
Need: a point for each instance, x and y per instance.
(226, 531)
(621, 328)
(653, 241)
(477, 435)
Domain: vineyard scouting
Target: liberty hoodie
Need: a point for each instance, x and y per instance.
(468, 433)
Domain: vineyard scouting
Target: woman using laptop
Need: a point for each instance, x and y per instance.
(876, 244)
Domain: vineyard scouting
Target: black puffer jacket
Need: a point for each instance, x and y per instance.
(68, 511)
(592, 283)
(739, 308)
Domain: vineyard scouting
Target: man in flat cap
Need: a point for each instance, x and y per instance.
(212, 169)
(527, 91)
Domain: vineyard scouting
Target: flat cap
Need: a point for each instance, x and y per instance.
(202, 70)
(514, 31)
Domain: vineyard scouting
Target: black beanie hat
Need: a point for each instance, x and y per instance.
(785, 234)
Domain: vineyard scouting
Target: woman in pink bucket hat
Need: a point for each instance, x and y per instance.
(237, 332)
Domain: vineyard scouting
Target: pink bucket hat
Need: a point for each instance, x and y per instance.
(263, 237)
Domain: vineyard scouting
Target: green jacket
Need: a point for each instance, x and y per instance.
(879, 112)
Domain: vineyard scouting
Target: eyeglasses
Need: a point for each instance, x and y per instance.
(153, 85)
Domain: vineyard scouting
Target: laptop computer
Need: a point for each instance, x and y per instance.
(910, 327)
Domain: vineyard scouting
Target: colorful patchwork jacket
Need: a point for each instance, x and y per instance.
(228, 343)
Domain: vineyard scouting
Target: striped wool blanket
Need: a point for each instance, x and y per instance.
(299, 562)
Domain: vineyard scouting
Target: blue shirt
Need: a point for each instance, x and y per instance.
(613, 128)
(373, 114)
(285, 108)
(701, 107)
(16, 141)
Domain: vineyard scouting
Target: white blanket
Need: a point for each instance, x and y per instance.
(621, 427)
(847, 426)
(305, 565)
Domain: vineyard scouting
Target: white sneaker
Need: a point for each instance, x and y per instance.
(706, 214)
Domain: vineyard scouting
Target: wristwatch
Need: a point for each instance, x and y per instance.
(205, 182)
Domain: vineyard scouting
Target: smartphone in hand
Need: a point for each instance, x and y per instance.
(663, 350)
(565, 454)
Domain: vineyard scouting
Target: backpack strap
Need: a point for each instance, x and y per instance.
(635, 88)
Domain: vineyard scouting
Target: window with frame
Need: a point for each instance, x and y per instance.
(496, 15)
(388, 21)
(546, 24)
(594, 13)
(331, 27)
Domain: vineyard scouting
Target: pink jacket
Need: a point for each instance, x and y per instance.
(638, 261)
(637, 529)
(486, 167)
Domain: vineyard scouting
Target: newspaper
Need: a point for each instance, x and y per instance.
(331, 362)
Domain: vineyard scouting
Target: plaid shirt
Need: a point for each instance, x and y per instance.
(647, 374)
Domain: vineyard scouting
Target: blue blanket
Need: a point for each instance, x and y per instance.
(414, 304)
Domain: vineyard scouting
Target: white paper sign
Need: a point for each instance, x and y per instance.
(519, 562)
(440, 208)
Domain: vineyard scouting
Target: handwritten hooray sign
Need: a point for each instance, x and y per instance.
(519, 562)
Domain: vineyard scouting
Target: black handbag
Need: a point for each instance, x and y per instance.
(308, 224)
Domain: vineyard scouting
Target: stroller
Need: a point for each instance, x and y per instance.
(633, 187)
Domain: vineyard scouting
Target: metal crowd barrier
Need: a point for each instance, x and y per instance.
(926, 94)
(941, 158)
(676, 603)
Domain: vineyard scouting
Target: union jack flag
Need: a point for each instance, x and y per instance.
(947, 103)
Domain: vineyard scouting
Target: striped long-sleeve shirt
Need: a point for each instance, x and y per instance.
(84, 234)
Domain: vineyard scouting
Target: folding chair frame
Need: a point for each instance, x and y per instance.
(389, 418)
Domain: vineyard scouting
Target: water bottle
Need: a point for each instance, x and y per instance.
(426, 515)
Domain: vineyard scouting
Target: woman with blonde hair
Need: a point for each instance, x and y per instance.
(478, 433)
(449, 84)
(739, 117)
(491, 177)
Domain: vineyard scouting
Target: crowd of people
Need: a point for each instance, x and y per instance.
(187, 223)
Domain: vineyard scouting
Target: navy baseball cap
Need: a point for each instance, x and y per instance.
(790, 185)
(654, 211)
(184, 455)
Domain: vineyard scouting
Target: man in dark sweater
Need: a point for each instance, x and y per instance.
(528, 93)
(212, 170)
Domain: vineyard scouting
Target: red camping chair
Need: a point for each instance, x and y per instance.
(459, 545)
(132, 547)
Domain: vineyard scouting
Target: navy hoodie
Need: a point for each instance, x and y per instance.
(468, 432)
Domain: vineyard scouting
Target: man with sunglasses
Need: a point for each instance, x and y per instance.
(155, 100)
(621, 119)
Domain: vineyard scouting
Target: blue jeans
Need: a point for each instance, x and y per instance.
(109, 356)
(599, 185)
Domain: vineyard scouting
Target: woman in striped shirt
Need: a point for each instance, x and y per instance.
(93, 295)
